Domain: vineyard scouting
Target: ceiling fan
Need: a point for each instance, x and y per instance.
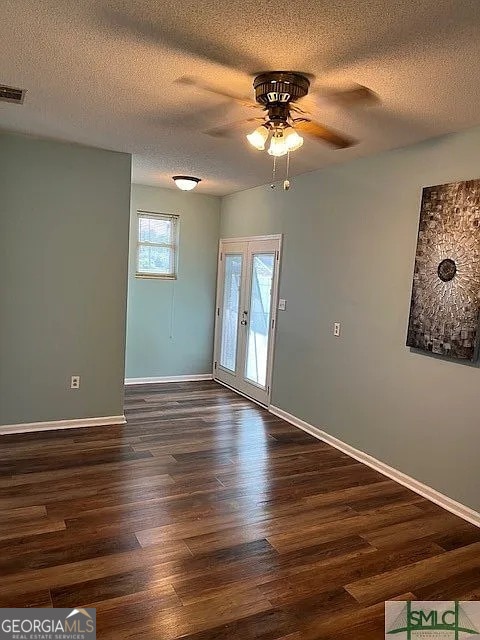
(277, 93)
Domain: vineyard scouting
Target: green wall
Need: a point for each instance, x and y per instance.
(170, 322)
(350, 234)
(64, 213)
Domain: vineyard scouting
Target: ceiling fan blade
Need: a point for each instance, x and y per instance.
(320, 132)
(177, 37)
(226, 130)
(402, 32)
(355, 96)
(294, 107)
(198, 84)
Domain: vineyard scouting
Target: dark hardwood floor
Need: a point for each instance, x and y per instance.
(208, 518)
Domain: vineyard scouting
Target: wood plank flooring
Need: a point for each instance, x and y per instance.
(207, 518)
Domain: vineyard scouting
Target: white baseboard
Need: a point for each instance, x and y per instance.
(162, 379)
(27, 427)
(460, 510)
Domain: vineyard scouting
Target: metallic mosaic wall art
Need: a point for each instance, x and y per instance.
(444, 311)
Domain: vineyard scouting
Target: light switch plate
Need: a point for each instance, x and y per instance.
(282, 304)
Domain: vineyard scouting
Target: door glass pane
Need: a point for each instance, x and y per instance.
(259, 325)
(231, 299)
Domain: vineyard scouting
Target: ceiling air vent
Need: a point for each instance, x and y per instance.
(11, 94)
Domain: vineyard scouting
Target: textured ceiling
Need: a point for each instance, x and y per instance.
(102, 73)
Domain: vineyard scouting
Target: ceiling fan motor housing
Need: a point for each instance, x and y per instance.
(280, 87)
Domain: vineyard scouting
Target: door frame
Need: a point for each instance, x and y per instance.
(275, 292)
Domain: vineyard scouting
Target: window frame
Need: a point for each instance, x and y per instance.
(174, 219)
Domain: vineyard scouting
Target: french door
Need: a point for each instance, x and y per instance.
(247, 289)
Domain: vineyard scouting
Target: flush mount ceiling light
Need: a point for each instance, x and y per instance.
(186, 183)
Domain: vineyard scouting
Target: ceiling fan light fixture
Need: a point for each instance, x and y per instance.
(278, 146)
(259, 137)
(186, 183)
(292, 139)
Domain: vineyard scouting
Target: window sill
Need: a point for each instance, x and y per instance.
(154, 276)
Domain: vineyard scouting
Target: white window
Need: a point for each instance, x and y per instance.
(157, 242)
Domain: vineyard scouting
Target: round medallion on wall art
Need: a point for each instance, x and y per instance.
(447, 270)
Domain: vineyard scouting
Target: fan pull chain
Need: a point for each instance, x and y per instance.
(286, 182)
(274, 172)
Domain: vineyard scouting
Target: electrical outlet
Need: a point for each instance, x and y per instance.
(336, 329)
(75, 382)
(282, 304)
